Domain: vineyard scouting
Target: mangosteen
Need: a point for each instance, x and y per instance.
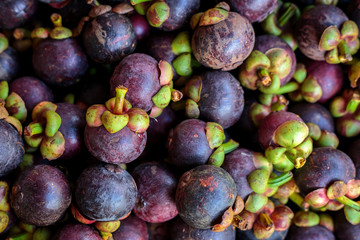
(156, 192)
(109, 36)
(11, 146)
(76, 231)
(15, 13)
(116, 132)
(32, 91)
(345, 230)
(255, 11)
(41, 195)
(203, 195)
(223, 42)
(180, 230)
(311, 233)
(131, 228)
(324, 32)
(217, 96)
(59, 61)
(9, 62)
(105, 192)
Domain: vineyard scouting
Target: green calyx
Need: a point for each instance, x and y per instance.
(4, 43)
(59, 32)
(14, 104)
(4, 197)
(108, 226)
(157, 13)
(258, 180)
(193, 88)
(311, 90)
(352, 215)
(4, 221)
(191, 109)
(353, 187)
(354, 73)
(258, 112)
(327, 139)
(79, 217)
(314, 131)
(263, 227)
(291, 134)
(53, 147)
(93, 115)
(134, 2)
(280, 62)
(255, 202)
(141, 8)
(113, 122)
(166, 73)
(163, 97)
(341, 44)
(182, 64)
(42, 234)
(4, 90)
(181, 43)
(215, 15)
(306, 219)
(317, 198)
(214, 134)
(217, 157)
(337, 189)
(139, 121)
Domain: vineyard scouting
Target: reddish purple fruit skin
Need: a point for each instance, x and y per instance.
(309, 233)
(140, 25)
(189, 146)
(239, 164)
(109, 37)
(249, 235)
(203, 195)
(15, 13)
(270, 123)
(254, 10)
(72, 126)
(224, 45)
(139, 73)
(156, 199)
(264, 43)
(105, 192)
(180, 13)
(159, 46)
(222, 98)
(9, 64)
(345, 230)
(324, 166)
(123, 146)
(312, 24)
(132, 228)
(77, 231)
(179, 230)
(11, 148)
(329, 76)
(314, 113)
(59, 62)
(41, 195)
(32, 91)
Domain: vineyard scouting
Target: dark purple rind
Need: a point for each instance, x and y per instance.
(324, 166)
(9, 64)
(72, 127)
(109, 37)
(73, 12)
(221, 99)
(224, 45)
(354, 154)
(264, 43)
(15, 13)
(132, 228)
(249, 235)
(41, 195)
(309, 233)
(239, 164)
(311, 26)
(180, 13)
(270, 123)
(329, 76)
(59, 62)
(345, 230)
(76, 231)
(123, 146)
(141, 26)
(254, 10)
(179, 230)
(11, 148)
(52, 1)
(314, 113)
(203, 195)
(105, 192)
(189, 146)
(156, 192)
(139, 73)
(32, 91)
(159, 46)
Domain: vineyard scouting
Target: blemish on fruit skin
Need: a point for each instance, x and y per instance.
(209, 183)
(196, 136)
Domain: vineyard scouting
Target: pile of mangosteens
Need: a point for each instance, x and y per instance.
(179, 119)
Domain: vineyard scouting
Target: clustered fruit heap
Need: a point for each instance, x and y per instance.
(179, 119)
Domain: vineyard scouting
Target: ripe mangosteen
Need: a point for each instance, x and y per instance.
(59, 61)
(109, 36)
(9, 62)
(311, 233)
(11, 148)
(156, 192)
(15, 13)
(32, 91)
(105, 192)
(345, 230)
(41, 195)
(255, 11)
(203, 195)
(223, 42)
(217, 96)
(77, 231)
(131, 228)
